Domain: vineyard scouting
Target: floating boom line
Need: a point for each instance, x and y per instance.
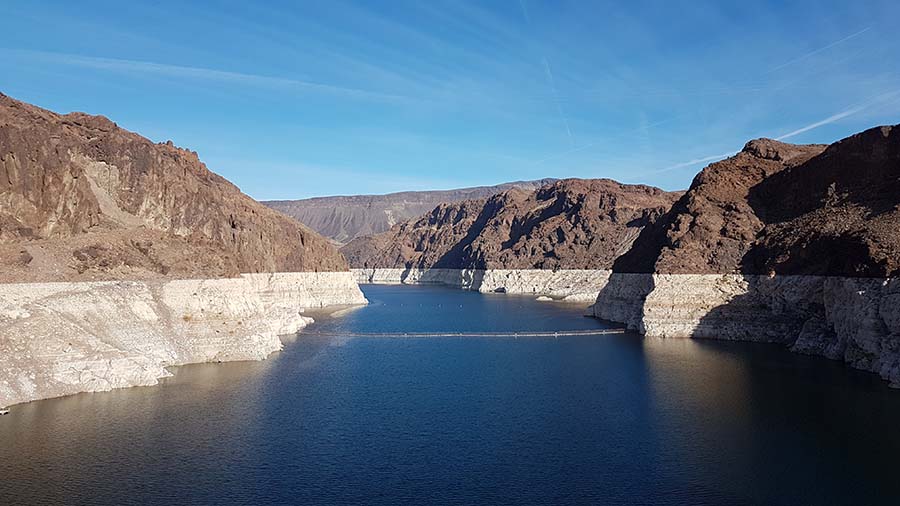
(524, 333)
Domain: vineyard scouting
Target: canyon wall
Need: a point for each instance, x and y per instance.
(570, 285)
(82, 199)
(571, 224)
(120, 257)
(65, 338)
(781, 243)
(345, 218)
(856, 320)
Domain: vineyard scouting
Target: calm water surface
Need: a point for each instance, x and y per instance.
(612, 419)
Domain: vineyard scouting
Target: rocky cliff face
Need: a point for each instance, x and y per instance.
(343, 219)
(64, 338)
(568, 285)
(777, 208)
(81, 198)
(568, 224)
(712, 226)
(837, 214)
(780, 243)
(123, 222)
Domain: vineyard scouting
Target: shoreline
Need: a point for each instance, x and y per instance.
(855, 320)
(70, 337)
(565, 285)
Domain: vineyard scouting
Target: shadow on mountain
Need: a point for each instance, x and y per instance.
(622, 299)
(459, 255)
(471, 279)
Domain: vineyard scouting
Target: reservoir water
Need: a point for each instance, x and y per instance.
(609, 419)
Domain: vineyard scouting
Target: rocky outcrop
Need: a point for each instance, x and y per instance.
(713, 225)
(82, 199)
(569, 224)
(856, 320)
(64, 338)
(837, 214)
(558, 241)
(785, 209)
(780, 243)
(569, 285)
(121, 257)
(343, 219)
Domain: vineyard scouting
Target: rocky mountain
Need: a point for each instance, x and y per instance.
(567, 224)
(345, 218)
(81, 198)
(781, 243)
(777, 208)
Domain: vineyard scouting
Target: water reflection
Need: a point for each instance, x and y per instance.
(752, 413)
(614, 419)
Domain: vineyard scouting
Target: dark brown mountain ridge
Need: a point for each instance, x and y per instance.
(777, 208)
(344, 218)
(568, 224)
(82, 198)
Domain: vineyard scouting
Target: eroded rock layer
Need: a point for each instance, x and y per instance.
(780, 243)
(856, 320)
(570, 285)
(345, 218)
(568, 224)
(120, 257)
(82, 199)
(777, 208)
(64, 338)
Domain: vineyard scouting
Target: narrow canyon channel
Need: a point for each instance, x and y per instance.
(609, 419)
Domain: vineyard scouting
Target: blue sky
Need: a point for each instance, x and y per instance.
(299, 99)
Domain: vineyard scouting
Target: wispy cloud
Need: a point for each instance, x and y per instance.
(817, 51)
(559, 108)
(642, 128)
(208, 74)
(525, 11)
(548, 72)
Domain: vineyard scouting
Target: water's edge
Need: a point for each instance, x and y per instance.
(856, 320)
(67, 338)
(569, 285)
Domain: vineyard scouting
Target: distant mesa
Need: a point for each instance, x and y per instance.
(565, 224)
(345, 218)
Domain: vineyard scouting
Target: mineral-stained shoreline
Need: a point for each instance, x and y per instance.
(856, 320)
(66, 338)
(570, 285)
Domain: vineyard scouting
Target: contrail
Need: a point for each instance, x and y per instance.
(525, 11)
(688, 163)
(831, 119)
(594, 143)
(841, 115)
(817, 51)
(556, 99)
(817, 124)
(550, 79)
